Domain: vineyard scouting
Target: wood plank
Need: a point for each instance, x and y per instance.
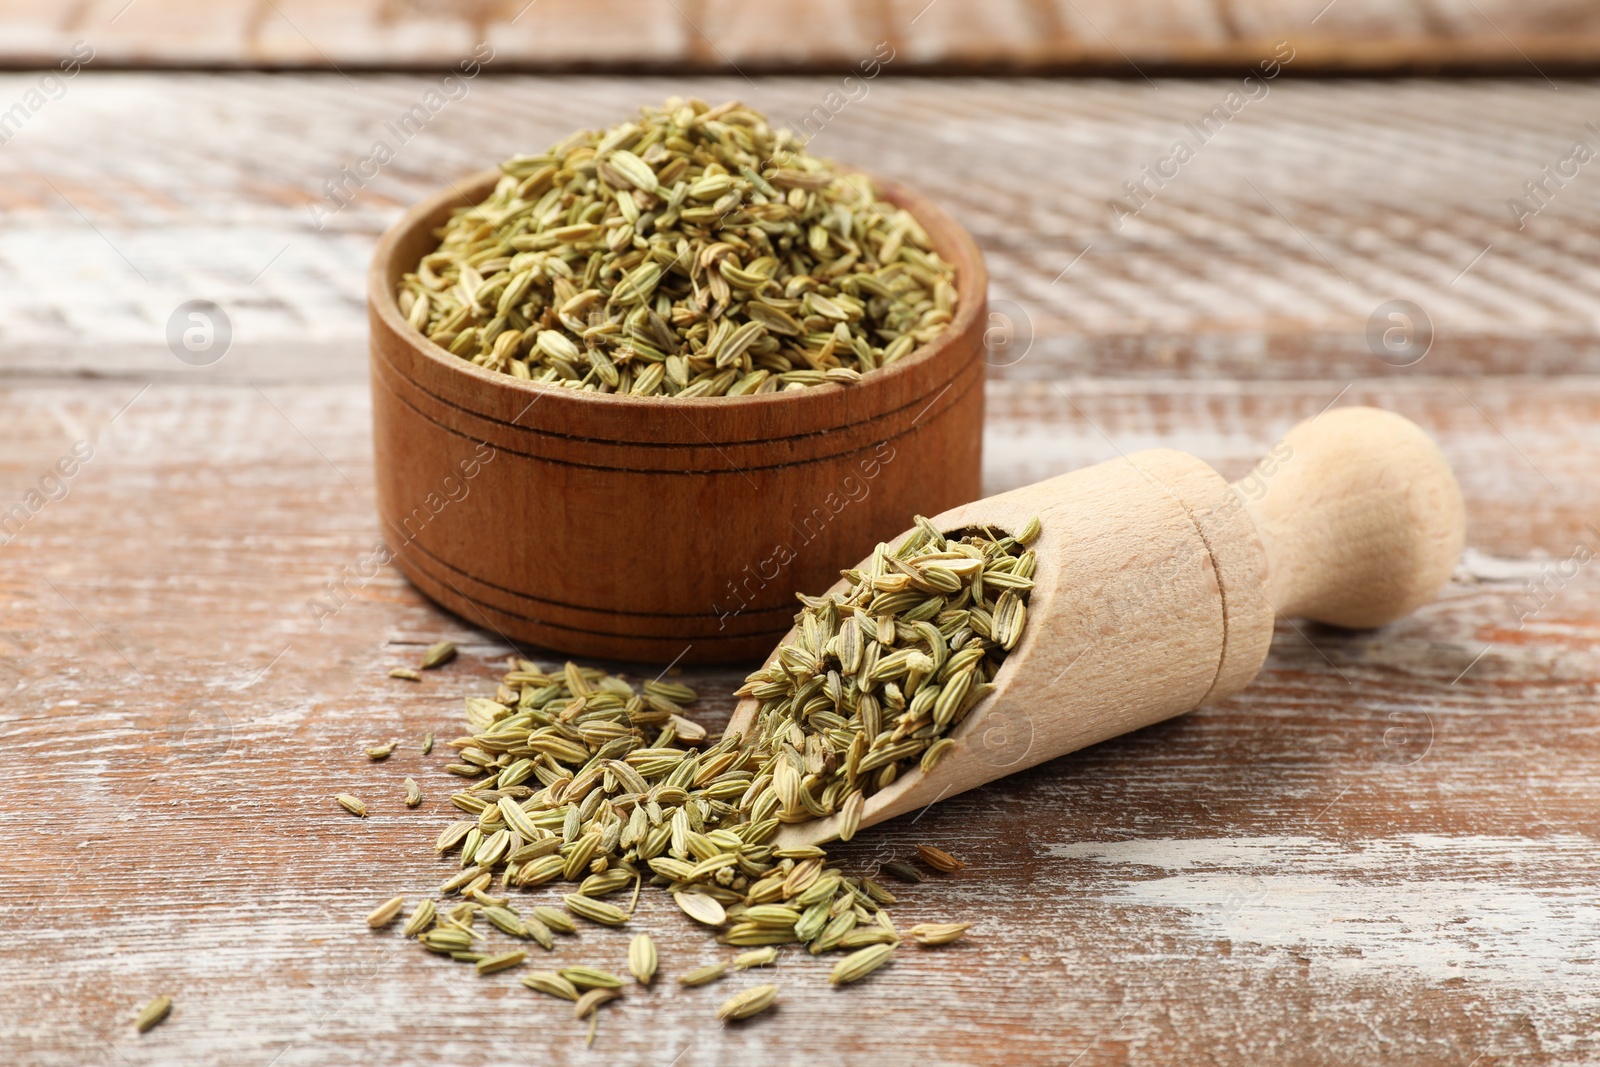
(1369, 853)
(1266, 257)
(720, 35)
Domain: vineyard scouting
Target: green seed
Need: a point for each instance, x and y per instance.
(491, 964)
(596, 911)
(421, 917)
(551, 983)
(711, 972)
(591, 978)
(554, 919)
(858, 965)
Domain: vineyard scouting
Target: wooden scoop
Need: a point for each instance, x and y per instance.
(1158, 583)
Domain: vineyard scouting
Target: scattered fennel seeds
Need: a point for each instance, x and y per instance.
(758, 957)
(551, 983)
(386, 913)
(583, 777)
(752, 1001)
(591, 1000)
(427, 743)
(859, 964)
(591, 978)
(501, 961)
(413, 793)
(702, 908)
(596, 911)
(711, 972)
(642, 959)
(938, 933)
(939, 859)
(438, 654)
(903, 871)
(381, 752)
(692, 252)
(421, 918)
(152, 1013)
(352, 804)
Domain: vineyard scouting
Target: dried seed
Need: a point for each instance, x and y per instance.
(850, 814)
(406, 674)
(939, 859)
(701, 908)
(591, 1000)
(693, 252)
(446, 940)
(427, 743)
(642, 958)
(752, 1001)
(876, 892)
(936, 752)
(505, 920)
(903, 871)
(591, 977)
(152, 1013)
(539, 932)
(386, 913)
(596, 911)
(380, 752)
(491, 964)
(759, 957)
(938, 933)
(420, 919)
(711, 972)
(413, 793)
(453, 835)
(551, 983)
(861, 963)
(352, 804)
(554, 919)
(438, 654)
(882, 670)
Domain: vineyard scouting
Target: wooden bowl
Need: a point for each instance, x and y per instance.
(649, 528)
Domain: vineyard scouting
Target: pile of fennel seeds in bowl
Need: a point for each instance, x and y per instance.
(694, 252)
(578, 777)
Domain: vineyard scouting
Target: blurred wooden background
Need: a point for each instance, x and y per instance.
(1105, 36)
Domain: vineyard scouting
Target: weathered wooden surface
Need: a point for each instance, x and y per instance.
(1267, 254)
(1385, 849)
(1130, 38)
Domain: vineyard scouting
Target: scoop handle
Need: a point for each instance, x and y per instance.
(1359, 515)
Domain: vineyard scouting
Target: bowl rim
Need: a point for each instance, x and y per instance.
(963, 252)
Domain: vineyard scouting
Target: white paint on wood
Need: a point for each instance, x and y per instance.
(1518, 913)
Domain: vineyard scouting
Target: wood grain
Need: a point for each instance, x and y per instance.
(1265, 258)
(1278, 877)
(723, 35)
(1384, 849)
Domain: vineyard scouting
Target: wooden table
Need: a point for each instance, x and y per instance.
(1127, 38)
(1385, 849)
